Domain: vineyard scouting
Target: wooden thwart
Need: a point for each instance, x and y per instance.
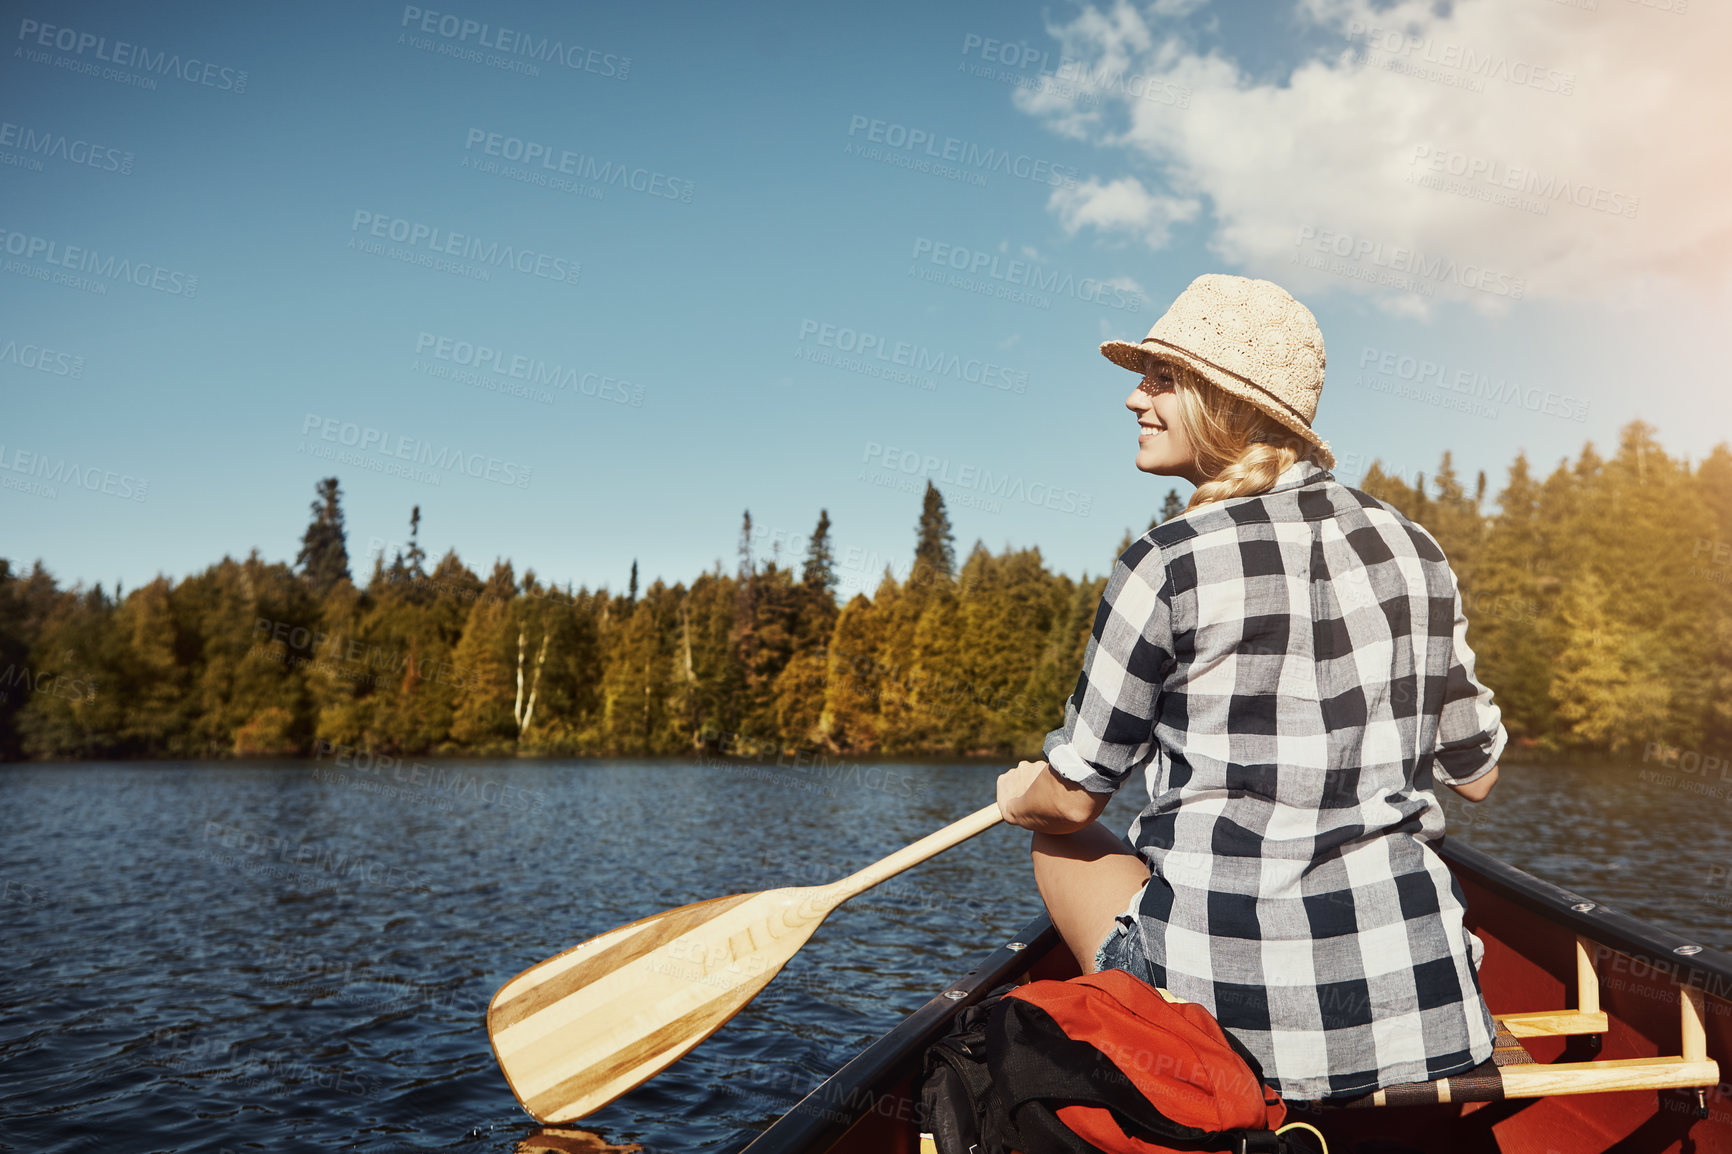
(1512, 1073)
(1555, 1023)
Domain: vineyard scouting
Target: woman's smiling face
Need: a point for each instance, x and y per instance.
(1162, 447)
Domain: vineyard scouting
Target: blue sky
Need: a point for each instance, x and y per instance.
(368, 292)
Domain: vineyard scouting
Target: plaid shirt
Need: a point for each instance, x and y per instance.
(1291, 671)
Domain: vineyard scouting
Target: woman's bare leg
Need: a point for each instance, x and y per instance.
(1086, 879)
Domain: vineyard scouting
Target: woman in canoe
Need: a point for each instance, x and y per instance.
(1287, 662)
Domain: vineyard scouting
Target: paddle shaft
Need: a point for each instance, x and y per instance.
(908, 857)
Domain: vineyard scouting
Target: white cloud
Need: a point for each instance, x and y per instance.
(1503, 148)
(1122, 205)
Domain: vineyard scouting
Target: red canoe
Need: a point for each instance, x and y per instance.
(1613, 1036)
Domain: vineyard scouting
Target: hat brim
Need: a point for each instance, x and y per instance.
(1140, 358)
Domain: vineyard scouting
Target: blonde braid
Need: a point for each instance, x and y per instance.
(1253, 471)
(1239, 448)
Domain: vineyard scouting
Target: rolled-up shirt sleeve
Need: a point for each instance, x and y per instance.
(1470, 732)
(1109, 721)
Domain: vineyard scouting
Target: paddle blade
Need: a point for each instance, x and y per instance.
(578, 1030)
(554, 1140)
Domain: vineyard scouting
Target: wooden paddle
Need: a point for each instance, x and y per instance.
(580, 1029)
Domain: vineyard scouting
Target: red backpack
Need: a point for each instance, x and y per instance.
(1100, 1063)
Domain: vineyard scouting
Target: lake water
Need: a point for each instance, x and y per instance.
(280, 956)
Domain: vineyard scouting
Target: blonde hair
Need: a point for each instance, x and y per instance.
(1240, 449)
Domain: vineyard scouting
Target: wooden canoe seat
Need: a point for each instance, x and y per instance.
(1511, 1071)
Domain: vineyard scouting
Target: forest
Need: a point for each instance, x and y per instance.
(1599, 600)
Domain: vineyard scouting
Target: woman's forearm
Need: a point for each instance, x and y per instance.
(1052, 805)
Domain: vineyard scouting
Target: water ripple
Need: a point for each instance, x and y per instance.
(264, 957)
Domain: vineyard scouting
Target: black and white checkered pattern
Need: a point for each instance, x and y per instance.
(1292, 672)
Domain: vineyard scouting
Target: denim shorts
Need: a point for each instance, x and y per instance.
(1118, 951)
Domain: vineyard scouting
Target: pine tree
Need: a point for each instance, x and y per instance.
(820, 569)
(1453, 519)
(416, 555)
(407, 568)
(631, 592)
(1610, 691)
(1172, 508)
(935, 547)
(851, 719)
(747, 567)
(1507, 609)
(1714, 478)
(1599, 602)
(324, 556)
(482, 721)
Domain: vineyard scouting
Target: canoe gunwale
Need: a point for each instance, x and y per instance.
(825, 1114)
(1708, 970)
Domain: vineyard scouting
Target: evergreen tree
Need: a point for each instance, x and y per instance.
(1714, 478)
(820, 569)
(799, 705)
(1452, 517)
(482, 721)
(324, 556)
(1172, 508)
(1610, 692)
(408, 567)
(1599, 603)
(631, 591)
(935, 547)
(747, 568)
(852, 714)
(715, 695)
(1507, 609)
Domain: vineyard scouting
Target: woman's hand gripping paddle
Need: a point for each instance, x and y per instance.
(580, 1029)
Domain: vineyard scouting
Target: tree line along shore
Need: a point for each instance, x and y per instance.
(1599, 602)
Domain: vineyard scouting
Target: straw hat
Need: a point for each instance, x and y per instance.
(1247, 337)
